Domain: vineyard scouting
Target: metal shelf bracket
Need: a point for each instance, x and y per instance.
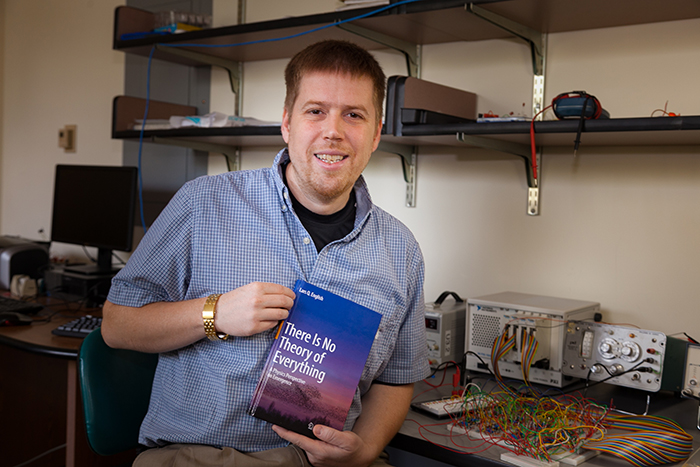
(235, 69)
(411, 51)
(536, 39)
(538, 48)
(521, 150)
(231, 153)
(408, 155)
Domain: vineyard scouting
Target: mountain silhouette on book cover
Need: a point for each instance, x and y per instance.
(315, 362)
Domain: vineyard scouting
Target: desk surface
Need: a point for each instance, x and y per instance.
(37, 336)
(420, 434)
(430, 437)
(40, 377)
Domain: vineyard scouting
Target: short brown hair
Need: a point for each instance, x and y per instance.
(334, 56)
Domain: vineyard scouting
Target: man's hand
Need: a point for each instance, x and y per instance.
(384, 409)
(164, 326)
(332, 449)
(253, 308)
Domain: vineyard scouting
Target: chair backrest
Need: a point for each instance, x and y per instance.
(116, 389)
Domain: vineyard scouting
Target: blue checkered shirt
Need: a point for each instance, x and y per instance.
(222, 232)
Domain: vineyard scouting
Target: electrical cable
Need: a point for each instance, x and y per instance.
(635, 367)
(446, 365)
(533, 148)
(653, 440)
(85, 251)
(61, 446)
(303, 33)
(692, 341)
(547, 427)
(143, 128)
(582, 118)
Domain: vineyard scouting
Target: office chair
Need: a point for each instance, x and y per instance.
(116, 388)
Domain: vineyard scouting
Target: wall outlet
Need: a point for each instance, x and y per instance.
(67, 138)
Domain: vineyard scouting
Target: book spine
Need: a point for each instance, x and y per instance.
(264, 378)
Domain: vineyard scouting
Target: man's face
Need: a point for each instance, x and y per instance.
(331, 133)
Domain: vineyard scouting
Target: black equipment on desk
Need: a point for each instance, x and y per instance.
(79, 327)
(72, 286)
(95, 206)
(19, 306)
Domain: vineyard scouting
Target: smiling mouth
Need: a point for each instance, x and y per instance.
(330, 158)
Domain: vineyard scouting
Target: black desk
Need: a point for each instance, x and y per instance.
(419, 442)
(40, 406)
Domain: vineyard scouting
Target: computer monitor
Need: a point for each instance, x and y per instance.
(95, 206)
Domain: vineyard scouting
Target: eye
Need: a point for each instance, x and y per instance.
(355, 115)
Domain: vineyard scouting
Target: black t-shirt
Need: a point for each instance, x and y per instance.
(325, 229)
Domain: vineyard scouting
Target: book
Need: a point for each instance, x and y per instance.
(316, 361)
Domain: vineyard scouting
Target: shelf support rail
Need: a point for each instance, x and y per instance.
(408, 155)
(538, 48)
(516, 149)
(231, 153)
(234, 68)
(411, 51)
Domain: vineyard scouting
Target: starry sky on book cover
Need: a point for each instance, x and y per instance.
(316, 362)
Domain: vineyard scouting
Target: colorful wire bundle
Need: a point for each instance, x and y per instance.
(652, 441)
(529, 347)
(504, 344)
(539, 427)
(548, 428)
(501, 346)
(529, 423)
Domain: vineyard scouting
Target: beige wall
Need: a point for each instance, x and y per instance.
(618, 225)
(59, 69)
(3, 19)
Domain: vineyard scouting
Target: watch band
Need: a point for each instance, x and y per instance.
(208, 314)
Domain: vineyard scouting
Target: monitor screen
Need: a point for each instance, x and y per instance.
(95, 206)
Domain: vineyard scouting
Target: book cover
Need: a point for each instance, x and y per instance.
(316, 361)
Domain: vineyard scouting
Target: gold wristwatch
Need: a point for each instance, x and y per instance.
(208, 314)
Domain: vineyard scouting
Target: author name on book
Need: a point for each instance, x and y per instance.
(311, 294)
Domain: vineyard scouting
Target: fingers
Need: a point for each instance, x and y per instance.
(332, 448)
(315, 448)
(273, 300)
(253, 308)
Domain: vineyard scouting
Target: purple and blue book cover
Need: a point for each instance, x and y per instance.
(316, 361)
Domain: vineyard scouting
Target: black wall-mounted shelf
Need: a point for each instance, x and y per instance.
(420, 23)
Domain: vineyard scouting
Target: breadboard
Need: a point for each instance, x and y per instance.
(440, 408)
(522, 461)
(568, 458)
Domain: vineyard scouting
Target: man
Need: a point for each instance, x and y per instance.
(232, 245)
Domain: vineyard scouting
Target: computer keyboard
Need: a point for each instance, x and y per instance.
(19, 306)
(79, 327)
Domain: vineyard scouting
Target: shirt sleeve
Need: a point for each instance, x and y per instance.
(409, 360)
(159, 270)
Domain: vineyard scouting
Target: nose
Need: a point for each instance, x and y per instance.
(333, 128)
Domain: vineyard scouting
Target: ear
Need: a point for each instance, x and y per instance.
(285, 125)
(377, 136)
